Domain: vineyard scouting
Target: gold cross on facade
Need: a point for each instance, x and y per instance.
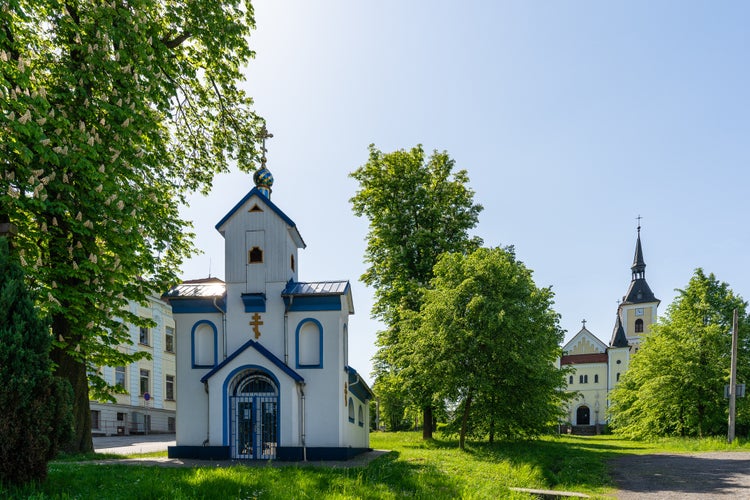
(255, 323)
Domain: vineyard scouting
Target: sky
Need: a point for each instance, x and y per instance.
(572, 118)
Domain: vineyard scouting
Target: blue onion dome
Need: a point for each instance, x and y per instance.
(263, 180)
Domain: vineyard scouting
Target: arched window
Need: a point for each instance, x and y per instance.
(596, 378)
(571, 379)
(361, 417)
(351, 410)
(291, 260)
(639, 326)
(204, 340)
(255, 255)
(346, 346)
(309, 344)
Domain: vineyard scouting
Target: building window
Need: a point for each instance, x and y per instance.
(255, 255)
(120, 417)
(596, 378)
(309, 349)
(171, 424)
(170, 388)
(145, 381)
(346, 345)
(361, 417)
(120, 376)
(639, 326)
(95, 419)
(204, 339)
(143, 337)
(583, 379)
(618, 376)
(292, 262)
(351, 410)
(571, 379)
(169, 339)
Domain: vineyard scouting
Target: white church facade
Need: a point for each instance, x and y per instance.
(597, 367)
(262, 358)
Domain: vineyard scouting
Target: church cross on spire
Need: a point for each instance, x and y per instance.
(584, 323)
(264, 134)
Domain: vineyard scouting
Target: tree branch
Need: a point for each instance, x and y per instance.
(176, 42)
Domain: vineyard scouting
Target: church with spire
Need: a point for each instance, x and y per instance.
(596, 366)
(262, 358)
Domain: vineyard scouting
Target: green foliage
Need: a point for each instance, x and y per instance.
(35, 416)
(675, 383)
(111, 113)
(418, 208)
(487, 338)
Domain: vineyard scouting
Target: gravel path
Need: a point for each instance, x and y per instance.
(715, 475)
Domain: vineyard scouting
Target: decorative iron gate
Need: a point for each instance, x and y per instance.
(254, 419)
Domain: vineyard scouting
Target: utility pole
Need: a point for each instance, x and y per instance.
(733, 380)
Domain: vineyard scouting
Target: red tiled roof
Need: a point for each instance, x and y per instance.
(577, 359)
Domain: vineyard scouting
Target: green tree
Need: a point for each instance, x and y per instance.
(675, 383)
(110, 114)
(418, 208)
(36, 413)
(488, 339)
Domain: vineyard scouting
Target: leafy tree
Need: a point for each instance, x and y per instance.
(675, 383)
(488, 340)
(112, 112)
(418, 208)
(35, 415)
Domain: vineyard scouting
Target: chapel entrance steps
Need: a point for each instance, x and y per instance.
(580, 430)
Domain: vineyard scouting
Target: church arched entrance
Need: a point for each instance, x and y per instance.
(583, 415)
(253, 405)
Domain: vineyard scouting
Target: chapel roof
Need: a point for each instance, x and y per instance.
(619, 339)
(203, 287)
(316, 288)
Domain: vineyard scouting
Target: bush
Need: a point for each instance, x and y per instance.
(35, 415)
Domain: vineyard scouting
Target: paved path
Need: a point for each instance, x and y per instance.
(128, 445)
(715, 475)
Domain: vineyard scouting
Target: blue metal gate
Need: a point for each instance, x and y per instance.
(254, 419)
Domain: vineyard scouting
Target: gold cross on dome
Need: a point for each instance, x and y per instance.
(255, 323)
(264, 134)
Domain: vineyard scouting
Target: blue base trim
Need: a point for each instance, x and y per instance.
(199, 452)
(294, 453)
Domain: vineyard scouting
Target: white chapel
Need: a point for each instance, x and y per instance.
(262, 358)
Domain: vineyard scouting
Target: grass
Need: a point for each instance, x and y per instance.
(433, 470)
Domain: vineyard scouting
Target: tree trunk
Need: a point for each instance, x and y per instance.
(464, 422)
(427, 422)
(74, 371)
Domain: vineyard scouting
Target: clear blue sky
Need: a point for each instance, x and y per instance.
(572, 118)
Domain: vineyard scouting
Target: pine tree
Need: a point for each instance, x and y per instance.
(35, 416)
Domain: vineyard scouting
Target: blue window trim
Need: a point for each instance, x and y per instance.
(361, 417)
(351, 410)
(320, 341)
(227, 420)
(192, 343)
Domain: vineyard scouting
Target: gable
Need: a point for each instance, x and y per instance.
(584, 342)
(256, 202)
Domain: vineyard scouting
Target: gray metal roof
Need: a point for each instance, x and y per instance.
(206, 287)
(316, 288)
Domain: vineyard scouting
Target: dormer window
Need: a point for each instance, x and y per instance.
(255, 255)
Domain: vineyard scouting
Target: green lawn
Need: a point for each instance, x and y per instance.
(415, 469)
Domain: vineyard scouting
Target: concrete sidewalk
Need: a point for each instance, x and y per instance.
(128, 445)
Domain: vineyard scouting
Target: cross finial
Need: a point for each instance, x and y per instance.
(584, 323)
(639, 223)
(264, 134)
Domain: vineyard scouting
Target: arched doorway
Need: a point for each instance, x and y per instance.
(253, 405)
(583, 415)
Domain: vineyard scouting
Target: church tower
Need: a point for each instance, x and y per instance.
(638, 309)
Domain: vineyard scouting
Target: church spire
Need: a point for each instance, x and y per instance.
(639, 265)
(262, 177)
